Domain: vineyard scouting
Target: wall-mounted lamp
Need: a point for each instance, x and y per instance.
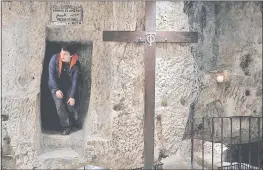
(221, 77)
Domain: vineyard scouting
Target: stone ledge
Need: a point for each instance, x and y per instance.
(208, 161)
(179, 162)
(60, 141)
(64, 158)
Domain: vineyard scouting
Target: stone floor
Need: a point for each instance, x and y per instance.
(178, 161)
(182, 158)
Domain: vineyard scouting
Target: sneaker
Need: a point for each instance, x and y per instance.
(66, 131)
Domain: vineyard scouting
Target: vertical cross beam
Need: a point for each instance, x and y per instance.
(151, 36)
(149, 86)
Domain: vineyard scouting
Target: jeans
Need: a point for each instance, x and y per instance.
(64, 110)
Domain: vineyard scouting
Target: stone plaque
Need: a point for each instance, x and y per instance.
(67, 15)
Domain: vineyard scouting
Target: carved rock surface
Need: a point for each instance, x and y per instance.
(230, 37)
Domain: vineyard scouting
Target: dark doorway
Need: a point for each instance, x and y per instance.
(49, 117)
(249, 153)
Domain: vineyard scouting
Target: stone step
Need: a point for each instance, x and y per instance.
(56, 140)
(93, 167)
(63, 158)
(52, 141)
(69, 151)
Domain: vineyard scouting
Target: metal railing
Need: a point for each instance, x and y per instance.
(235, 133)
(238, 166)
(156, 167)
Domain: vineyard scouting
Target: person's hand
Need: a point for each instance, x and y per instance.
(59, 94)
(71, 101)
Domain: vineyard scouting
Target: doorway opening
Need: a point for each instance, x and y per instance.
(248, 153)
(49, 117)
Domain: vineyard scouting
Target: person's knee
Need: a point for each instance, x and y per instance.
(56, 98)
(58, 102)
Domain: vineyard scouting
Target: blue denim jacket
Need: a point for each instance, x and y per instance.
(54, 80)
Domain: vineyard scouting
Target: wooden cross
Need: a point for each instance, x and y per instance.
(150, 36)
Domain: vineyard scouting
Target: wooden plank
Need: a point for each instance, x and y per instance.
(124, 36)
(161, 36)
(150, 60)
(149, 87)
(176, 37)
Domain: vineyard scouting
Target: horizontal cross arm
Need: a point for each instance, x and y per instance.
(124, 36)
(179, 37)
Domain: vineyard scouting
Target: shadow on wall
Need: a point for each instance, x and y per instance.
(49, 117)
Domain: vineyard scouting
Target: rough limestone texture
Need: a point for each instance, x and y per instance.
(175, 78)
(230, 42)
(1, 86)
(112, 136)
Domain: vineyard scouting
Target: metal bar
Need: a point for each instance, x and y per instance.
(231, 131)
(212, 142)
(176, 37)
(124, 36)
(239, 149)
(259, 142)
(221, 142)
(149, 100)
(249, 149)
(236, 117)
(203, 130)
(192, 144)
(149, 87)
(150, 16)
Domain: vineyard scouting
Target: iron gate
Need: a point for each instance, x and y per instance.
(243, 132)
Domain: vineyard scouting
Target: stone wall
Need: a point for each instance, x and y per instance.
(113, 133)
(230, 38)
(175, 78)
(230, 42)
(1, 85)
